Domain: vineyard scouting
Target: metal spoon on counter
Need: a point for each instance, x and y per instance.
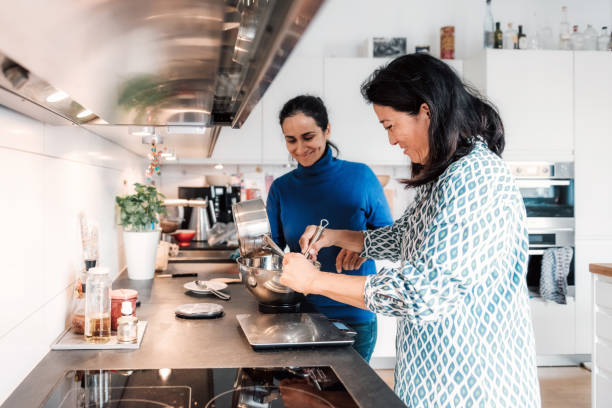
(217, 293)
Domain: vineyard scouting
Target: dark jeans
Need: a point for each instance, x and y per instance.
(366, 338)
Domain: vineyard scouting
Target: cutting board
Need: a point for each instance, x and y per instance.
(69, 340)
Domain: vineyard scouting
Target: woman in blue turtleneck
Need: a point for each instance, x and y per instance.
(347, 194)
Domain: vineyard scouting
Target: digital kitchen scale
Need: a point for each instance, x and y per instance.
(265, 331)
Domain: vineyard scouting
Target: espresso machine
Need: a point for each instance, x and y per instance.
(222, 197)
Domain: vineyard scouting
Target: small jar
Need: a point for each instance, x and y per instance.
(127, 325)
(118, 296)
(98, 306)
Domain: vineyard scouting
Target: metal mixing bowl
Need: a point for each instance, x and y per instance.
(261, 276)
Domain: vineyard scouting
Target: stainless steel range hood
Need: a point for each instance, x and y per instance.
(147, 62)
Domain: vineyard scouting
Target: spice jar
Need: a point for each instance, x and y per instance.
(447, 42)
(127, 324)
(118, 296)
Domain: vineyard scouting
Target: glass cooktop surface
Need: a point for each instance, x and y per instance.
(257, 387)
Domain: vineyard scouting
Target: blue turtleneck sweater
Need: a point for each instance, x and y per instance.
(348, 195)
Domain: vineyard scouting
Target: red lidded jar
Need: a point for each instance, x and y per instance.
(119, 296)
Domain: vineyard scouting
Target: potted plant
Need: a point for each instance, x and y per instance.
(139, 218)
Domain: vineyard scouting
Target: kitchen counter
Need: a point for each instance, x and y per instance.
(178, 343)
(601, 269)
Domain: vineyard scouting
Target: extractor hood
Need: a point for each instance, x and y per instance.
(147, 62)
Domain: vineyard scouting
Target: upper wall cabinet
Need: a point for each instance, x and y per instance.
(593, 119)
(241, 145)
(354, 125)
(533, 91)
(299, 75)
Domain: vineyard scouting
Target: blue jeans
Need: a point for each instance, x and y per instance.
(365, 340)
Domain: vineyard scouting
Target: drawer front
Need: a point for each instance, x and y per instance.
(603, 293)
(603, 357)
(603, 325)
(603, 391)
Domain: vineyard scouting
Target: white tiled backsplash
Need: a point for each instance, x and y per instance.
(48, 175)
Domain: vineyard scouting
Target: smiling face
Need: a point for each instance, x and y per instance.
(305, 140)
(410, 132)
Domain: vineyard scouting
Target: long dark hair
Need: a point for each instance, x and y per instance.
(459, 115)
(311, 106)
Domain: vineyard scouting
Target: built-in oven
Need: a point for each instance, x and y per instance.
(548, 194)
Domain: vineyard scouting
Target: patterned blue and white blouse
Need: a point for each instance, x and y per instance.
(464, 334)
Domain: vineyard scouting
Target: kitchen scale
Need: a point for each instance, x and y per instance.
(266, 331)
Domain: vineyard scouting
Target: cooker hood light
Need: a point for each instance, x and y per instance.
(84, 113)
(57, 96)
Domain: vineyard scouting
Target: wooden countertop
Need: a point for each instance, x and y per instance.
(601, 268)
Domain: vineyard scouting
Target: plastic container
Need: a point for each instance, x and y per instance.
(118, 296)
(98, 306)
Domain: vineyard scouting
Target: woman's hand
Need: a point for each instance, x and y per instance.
(348, 260)
(325, 240)
(298, 273)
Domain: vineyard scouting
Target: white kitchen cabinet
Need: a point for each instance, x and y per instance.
(602, 344)
(533, 90)
(593, 167)
(299, 75)
(354, 125)
(242, 145)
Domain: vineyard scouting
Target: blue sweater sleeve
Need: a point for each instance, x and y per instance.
(273, 208)
(378, 213)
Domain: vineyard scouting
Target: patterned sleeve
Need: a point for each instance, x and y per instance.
(385, 243)
(453, 255)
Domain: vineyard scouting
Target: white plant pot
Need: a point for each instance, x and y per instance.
(140, 251)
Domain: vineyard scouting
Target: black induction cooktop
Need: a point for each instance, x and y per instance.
(254, 387)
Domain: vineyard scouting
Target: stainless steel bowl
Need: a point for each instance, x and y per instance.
(261, 276)
(251, 218)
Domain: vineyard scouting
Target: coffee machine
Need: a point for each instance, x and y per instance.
(222, 197)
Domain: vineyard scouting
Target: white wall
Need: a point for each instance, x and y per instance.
(48, 175)
(341, 26)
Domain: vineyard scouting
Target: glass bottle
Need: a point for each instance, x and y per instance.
(510, 38)
(127, 325)
(498, 39)
(577, 39)
(590, 38)
(489, 27)
(522, 39)
(564, 31)
(603, 41)
(98, 306)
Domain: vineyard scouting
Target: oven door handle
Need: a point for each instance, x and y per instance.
(533, 183)
(536, 252)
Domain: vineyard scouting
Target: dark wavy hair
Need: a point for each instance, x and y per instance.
(311, 106)
(459, 115)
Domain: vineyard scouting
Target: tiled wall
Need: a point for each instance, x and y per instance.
(48, 175)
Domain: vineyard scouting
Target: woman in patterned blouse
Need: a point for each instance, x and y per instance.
(464, 334)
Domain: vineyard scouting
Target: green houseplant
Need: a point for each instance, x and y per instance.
(139, 211)
(139, 219)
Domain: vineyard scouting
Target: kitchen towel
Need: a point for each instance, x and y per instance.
(553, 278)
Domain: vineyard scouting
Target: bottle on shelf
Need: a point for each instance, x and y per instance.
(510, 40)
(603, 41)
(564, 31)
(522, 39)
(498, 39)
(489, 27)
(590, 38)
(577, 39)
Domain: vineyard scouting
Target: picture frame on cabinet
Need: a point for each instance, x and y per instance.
(385, 47)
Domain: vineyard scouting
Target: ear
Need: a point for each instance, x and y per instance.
(327, 132)
(425, 109)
